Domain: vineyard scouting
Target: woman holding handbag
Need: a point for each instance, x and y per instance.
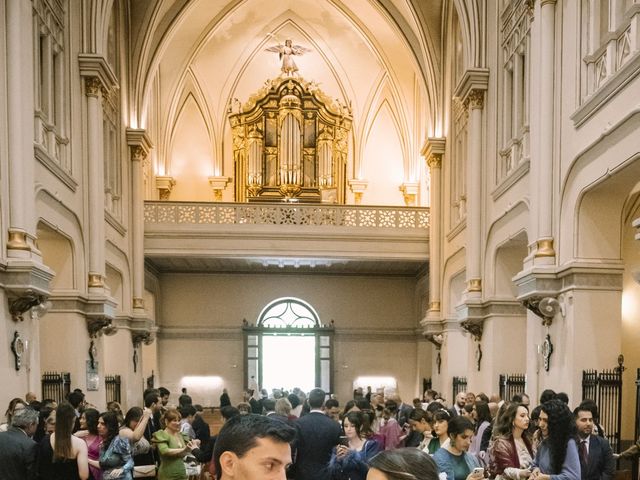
(134, 425)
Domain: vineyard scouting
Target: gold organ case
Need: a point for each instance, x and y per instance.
(290, 143)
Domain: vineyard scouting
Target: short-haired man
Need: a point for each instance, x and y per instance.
(251, 447)
(332, 409)
(152, 404)
(17, 449)
(318, 435)
(596, 457)
(164, 395)
(460, 402)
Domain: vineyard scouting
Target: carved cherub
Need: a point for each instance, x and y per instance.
(286, 53)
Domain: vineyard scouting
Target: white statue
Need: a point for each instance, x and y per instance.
(286, 53)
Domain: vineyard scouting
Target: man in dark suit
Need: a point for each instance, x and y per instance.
(596, 457)
(318, 434)
(17, 449)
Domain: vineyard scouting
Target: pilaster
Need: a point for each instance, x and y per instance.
(471, 91)
(433, 152)
(139, 147)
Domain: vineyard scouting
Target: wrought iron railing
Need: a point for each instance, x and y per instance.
(605, 388)
(510, 385)
(194, 213)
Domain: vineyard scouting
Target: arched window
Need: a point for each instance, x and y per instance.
(288, 329)
(288, 312)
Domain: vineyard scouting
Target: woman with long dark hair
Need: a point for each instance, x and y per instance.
(454, 460)
(89, 433)
(115, 455)
(63, 456)
(510, 454)
(482, 418)
(440, 431)
(557, 456)
(402, 464)
(349, 461)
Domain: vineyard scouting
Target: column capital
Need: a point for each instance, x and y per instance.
(433, 150)
(472, 86)
(358, 187)
(475, 99)
(96, 66)
(139, 143)
(92, 86)
(546, 2)
(218, 184)
(164, 184)
(410, 192)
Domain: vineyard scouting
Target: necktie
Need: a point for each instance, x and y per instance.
(584, 455)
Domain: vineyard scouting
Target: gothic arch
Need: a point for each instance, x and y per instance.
(190, 90)
(594, 191)
(510, 227)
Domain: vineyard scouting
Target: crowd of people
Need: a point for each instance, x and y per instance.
(308, 437)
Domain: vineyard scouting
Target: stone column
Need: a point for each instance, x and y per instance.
(139, 145)
(20, 131)
(545, 253)
(433, 152)
(93, 91)
(98, 78)
(475, 101)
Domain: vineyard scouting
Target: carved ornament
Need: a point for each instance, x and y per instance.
(436, 338)
(475, 99)
(474, 327)
(93, 86)
(95, 325)
(18, 306)
(435, 160)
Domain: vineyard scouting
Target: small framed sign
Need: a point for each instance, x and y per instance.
(93, 379)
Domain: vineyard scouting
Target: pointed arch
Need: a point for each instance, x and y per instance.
(190, 89)
(384, 93)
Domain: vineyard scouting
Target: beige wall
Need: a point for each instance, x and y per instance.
(200, 327)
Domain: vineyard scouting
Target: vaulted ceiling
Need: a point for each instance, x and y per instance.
(359, 48)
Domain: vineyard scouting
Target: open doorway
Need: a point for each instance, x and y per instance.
(288, 347)
(288, 361)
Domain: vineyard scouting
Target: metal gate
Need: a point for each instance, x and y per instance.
(510, 385)
(56, 386)
(459, 385)
(112, 387)
(605, 388)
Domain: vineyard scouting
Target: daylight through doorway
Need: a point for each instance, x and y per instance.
(288, 362)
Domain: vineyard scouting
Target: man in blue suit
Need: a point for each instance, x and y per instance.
(318, 434)
(17, 449)
(596, 456)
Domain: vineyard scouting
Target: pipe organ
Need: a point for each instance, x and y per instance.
(290, 143)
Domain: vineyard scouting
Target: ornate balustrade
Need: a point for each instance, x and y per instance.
(192, 213)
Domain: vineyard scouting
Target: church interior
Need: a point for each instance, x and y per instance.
(386, 193)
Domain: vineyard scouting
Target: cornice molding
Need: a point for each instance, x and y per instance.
(94, 65)
(473, 84)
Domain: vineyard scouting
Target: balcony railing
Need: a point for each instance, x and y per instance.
(193, 213)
